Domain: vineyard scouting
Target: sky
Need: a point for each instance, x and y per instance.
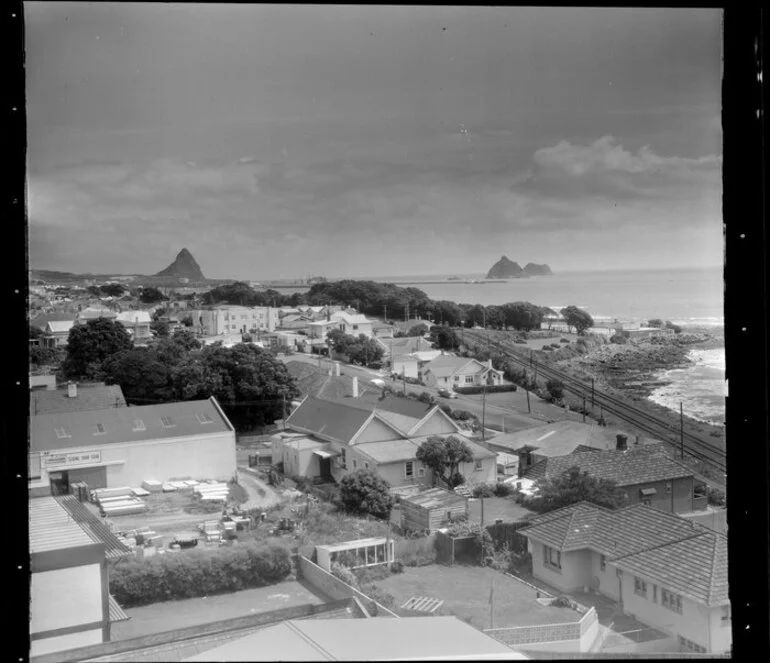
(287, 141)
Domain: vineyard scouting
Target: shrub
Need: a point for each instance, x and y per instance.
(397, 567)
(461, 415)
(445, 409)
(564, 340)
(483, 490)
(418, 559)
(182, 575)
(716, 497)
(619, 339)
(503, 489)
(520, 341)
(345, 574)
(364, 491)
(555, 388)
(425, 397)
(490, 389)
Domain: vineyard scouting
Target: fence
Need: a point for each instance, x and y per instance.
(336, 588)
(462, 550)
(506, 535)
(411, 548)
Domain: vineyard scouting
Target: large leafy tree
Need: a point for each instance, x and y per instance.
(151, 295)
(361, 350)
(522, 315)
(444, 338)
(443, 456)
(575, 486)
(577, 318)
(418, 330)
(365, 491)
(90, 344)
(143, 377)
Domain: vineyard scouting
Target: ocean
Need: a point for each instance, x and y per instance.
(687, 297)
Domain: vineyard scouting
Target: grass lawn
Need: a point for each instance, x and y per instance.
(190, 612)
(465, 591)
(498, 507)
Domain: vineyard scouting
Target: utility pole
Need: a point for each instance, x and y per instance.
(592, 394)
(403, 377)
(283, 400)
(531, 359)
(681, 429)
(482, 511)
(529, 408)
(385, 312)
(483, 428)
(584, 409)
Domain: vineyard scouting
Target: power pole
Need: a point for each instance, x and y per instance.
(385, 312)
(584, 409)
(681, 429)
(592, 394)
(283, 399)
(483, 429)
(403, 377)
(529, 408)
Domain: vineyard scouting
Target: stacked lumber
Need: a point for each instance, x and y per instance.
(140, 492)
(152, 485)
(169, 488)
(126, 506)
(99, 494)
(177, 485)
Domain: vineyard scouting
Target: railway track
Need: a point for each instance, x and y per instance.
(644, 421)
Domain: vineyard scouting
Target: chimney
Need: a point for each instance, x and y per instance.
(72, 389)
(622, 442)
(355, 387)
(337, 368)
(489, 363)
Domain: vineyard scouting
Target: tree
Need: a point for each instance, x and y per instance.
(113, 289)
(151, 295)
(186, 338)
(35, 332)
(655, 322)
(160, 328)
(142, 376)
(365, 491)
(575, 486)
(444, 338)
(364, 351)
(418, 330)
(555, 388)
(443, 456)
(90, 344)
(577, 318)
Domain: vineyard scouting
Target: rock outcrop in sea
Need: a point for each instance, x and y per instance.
(532, 269)
(506, 269)
(183, 267)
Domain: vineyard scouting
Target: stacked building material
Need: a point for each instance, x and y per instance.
(124, 507)
(102, 493)
(169, 488)
(152, 485)
(212, 492)
(140, 492)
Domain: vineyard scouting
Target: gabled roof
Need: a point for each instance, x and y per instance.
(637, 465)
(335, 420)
(405, 358)
(134, 317)
(477, 450)
(351, 319)
(389, 451)
(97, 397)
(434, 497)
(406, 406)
(70, 430)
(59, 326)
(675, 552)
(557, 439)
(447, 365)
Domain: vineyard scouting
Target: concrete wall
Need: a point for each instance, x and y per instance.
(677, 500)
(697, 623)
(65, 598)
(335, 588)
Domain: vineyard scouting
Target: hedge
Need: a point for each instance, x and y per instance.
(195, 573)
(491, 389)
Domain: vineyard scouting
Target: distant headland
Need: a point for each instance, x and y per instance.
(507, 269)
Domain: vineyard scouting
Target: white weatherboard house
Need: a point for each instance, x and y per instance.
(329, 439)
(125, 446)
(667, 571)
(448, 371)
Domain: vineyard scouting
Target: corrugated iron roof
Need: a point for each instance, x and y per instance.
(93, 527)
(124, 424)
(51, 527)
(434, 497)
(116, 612)
(97, 397)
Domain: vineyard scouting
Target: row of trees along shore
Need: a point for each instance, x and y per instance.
(393, 302)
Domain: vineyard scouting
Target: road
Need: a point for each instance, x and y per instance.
(504, 411)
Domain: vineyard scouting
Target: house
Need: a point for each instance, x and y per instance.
(70, 551)
(432, 509)
(405, 366)
(320, 328)
(76, 398)
(353, 323)
(443, 638)
(57, 333)
(95, 312)
(449, 371)
(411, 345)
(559, 438)
(136, 323)
(359, 553)
(327, 439)
(382, 329)
(405, 325)
(227, 319)
(125, 446)
(644, 473)
(666, 571)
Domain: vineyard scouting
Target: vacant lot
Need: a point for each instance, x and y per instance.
(465, 591)
(170, 615)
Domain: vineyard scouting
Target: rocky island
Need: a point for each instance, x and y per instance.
(507, 269)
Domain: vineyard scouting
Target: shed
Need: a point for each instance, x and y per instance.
(356, 554)
(431, 509)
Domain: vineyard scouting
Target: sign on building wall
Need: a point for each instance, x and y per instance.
(57, 460)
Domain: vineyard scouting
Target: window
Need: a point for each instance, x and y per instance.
(355, 464)
(457, 378)
(409, 469)
(355, 327)
(366, 466)
(668, 487)
(551, 557)
(640, 587)
(671, 601)
(603, 562)
(468, 379)
(203, 418)
(477, 466)
(647, 502)
(690, 646)
(343, 459)
(421, 472)
(138, 425)
(654, 593)
(61, 432)
(99, 429)
(167, 422)
(725, 614)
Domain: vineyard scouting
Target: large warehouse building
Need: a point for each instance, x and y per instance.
(125, 446)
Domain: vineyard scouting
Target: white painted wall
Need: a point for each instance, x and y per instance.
(62, 642)
(66, 597)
